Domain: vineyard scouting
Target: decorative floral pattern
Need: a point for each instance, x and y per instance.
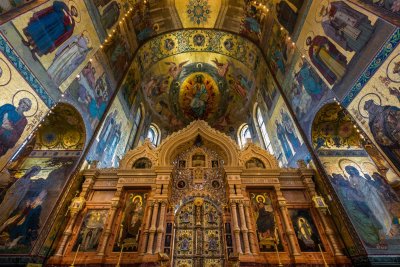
(198, 11)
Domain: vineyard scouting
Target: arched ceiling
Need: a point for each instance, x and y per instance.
(200, 59)
(239, 16)
(198, 74)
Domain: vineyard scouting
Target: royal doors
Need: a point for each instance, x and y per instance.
(198, 237)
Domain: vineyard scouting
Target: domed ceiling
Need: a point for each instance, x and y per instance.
(239, 16)
(197, 74)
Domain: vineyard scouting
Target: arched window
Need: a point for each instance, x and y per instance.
(263, 130)
(154, 134)
(135, 127)
(243, 134)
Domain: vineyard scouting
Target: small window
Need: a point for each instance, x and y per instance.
(244, 135)
(153, 134)
(263, 130)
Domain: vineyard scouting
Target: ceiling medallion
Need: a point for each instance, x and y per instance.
(198, 11)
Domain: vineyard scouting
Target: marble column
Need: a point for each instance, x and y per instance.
(308, 182)
(236, 229)
(76, 206)
(252, 233)
(160, 229)
(66, 235)
(288, 227)
(110, 222)
(146, 230)
(331, 234)
(152, 230)
(244, 229)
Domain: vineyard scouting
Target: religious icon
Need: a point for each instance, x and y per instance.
(91, 230)
(304, 233)
(212, 243)
(215, 184)
(199, 101)
(305, 229)
(266, 227)
(181, 184)
(185, 244)
(214, 163)
(49, 28)
(131, 222)
(169, 44)
(182, 164)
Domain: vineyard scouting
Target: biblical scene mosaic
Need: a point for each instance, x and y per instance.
(13, 8)
(91, 91)
(26, 205)
(112, 139)
(62, 51)
(329, 52)
(368, 199)
(388, 9)
(109, 12)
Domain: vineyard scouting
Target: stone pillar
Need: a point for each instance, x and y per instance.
(160, 229)
(152, 230)
(110, 221)
(331, 234)
(252, 233)
(308, 182)
(244, 229)
(67, 233)
(146, 229)
(236, 229)
(76, 206)
(288, 227)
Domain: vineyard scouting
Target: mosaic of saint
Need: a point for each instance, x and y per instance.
(199, 96)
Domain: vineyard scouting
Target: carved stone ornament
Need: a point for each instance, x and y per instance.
(253, 151)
